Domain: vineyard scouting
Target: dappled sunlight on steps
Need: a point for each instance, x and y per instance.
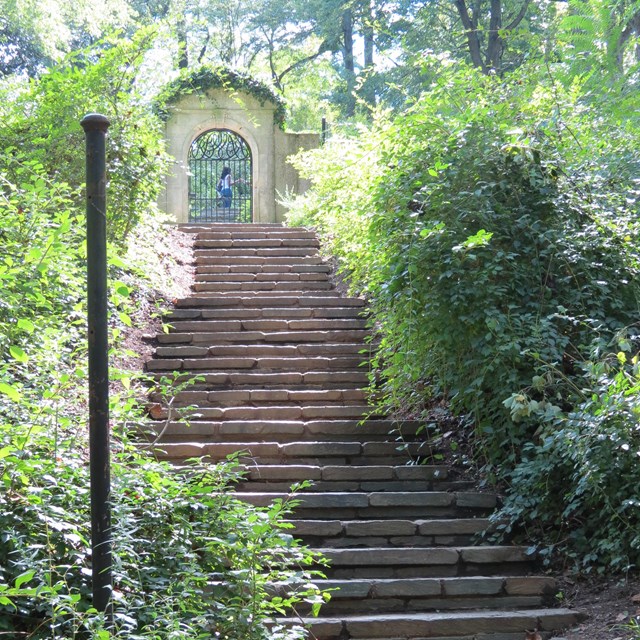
(282, 363)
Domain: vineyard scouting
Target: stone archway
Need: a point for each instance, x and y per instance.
(210, 100)
(210, 153)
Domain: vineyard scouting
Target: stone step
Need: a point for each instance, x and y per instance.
(330, 451)
(433, 594)
(494, 624)
(244, 337)
(322, 486)
(236, 227)
(200, 349)
(268, 252)
(254, 241)
(263, 269)
(298, 286)
(268, 325)
(375, 505)
(212, 259)
(299, 291)
(391, 533)
(322, 430)
(387, 473)
(306, 364)
(265, 313)
(265, 299)
(280, 234)
(307, 411)
(209, 276)
(261, 234)
(261, 397)
(324, 379)
(425, 562)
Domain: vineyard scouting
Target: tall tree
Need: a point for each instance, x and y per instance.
(486, 41)
(35, 33)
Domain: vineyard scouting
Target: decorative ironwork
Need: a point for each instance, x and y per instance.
(209, 154)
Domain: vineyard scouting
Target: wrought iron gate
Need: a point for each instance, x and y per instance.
(209, 154)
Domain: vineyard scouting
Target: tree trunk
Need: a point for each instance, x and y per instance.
(368, 89)
(495, 42)
(349, 65)
(495, 46)
(181, 35)
(470, 25)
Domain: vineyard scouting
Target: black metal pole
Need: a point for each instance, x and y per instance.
(95, 127)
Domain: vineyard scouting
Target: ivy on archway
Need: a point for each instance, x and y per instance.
(206, 77)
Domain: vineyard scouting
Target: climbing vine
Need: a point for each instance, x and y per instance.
(207, 77)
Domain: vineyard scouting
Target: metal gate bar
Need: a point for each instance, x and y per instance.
(208, 155)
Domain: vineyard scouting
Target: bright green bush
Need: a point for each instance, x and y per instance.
(494, 228)
(191, 561)
(42, 119)
(577, 484)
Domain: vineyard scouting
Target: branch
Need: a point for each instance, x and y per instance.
(204, 47)
(520, 17)
(632, 28)
(323, 48)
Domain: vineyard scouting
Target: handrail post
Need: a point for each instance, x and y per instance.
(95, 127)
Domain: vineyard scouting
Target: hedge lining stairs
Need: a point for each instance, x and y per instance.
(281, 354)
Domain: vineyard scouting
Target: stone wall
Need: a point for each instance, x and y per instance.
(243, 114)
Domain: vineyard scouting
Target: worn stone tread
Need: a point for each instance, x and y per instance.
(433, 625)
(275, 362)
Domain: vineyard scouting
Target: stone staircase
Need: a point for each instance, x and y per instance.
(282, 358)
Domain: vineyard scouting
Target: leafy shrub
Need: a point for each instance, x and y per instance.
(42, 120)
(191, 560)
(578, 481)
(493, 227)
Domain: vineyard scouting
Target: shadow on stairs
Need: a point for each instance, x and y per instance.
(282, 363)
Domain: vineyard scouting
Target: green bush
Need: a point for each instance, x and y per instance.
(190, 559)
(577, 484)
(42, 119)
(493, 227)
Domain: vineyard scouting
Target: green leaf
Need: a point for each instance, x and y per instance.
(6, 451)
(122, 289)
(26, 325)
(10, 391)
(18, 354)
(24, 577)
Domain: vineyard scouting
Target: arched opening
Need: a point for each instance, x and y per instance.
(213, 200)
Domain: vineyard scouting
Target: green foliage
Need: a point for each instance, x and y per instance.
(40, 271)
(42, 120)
(578, 482)
(37, 33)
(204, 78)
(191, 559)
(493, 227)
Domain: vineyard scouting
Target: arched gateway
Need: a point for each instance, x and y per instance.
(210, 156)
(217, 118)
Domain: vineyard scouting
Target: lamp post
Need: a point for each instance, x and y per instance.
(95, 127)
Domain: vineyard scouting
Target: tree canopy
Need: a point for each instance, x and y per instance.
(479, 186)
